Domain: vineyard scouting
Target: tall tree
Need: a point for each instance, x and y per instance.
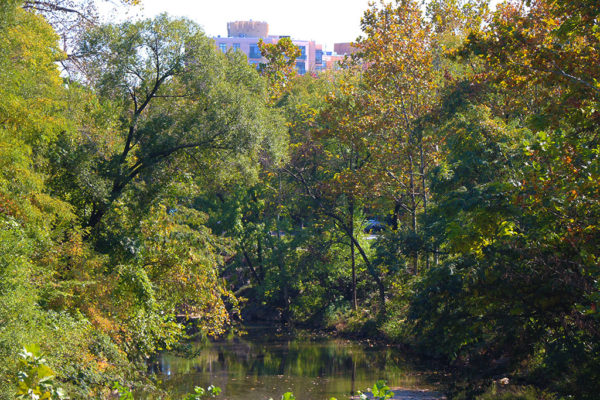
(181, 105)
(402, 80)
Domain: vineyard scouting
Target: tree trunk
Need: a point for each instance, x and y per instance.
(351, 211)
(396, 216)
(413, 211)
(423, 190)
(370, 268)
(260, 258)
(249, 262)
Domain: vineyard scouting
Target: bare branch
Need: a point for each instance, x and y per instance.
(46, 6)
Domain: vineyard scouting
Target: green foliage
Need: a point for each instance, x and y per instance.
(281, 65)
(35, 378)
(164, 179)
(124, 392)
(506, 214)
(100, 300)
(201, 393)
(203, 111)
(380, 391)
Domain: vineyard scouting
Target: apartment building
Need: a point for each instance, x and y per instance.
(244, 35)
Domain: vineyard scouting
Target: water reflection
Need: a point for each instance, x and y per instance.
(264, 365)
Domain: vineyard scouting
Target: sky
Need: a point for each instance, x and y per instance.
(325, 21)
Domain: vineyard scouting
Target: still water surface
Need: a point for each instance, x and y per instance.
(265, 364)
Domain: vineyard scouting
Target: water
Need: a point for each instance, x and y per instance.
(265, 364)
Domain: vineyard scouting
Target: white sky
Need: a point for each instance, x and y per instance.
(325, 21)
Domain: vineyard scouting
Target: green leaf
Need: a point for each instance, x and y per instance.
(288, 396)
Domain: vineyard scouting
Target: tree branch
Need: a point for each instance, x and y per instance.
(47, 7)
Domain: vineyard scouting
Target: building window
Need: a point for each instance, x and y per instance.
(301, 68)
(303, 53)
(236, 46)
(319, 57)
(254, 51)
(223, 47)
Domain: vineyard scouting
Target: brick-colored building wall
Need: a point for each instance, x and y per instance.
(332, 61)
(343, 48)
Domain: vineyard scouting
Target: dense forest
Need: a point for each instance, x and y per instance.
(441, 190)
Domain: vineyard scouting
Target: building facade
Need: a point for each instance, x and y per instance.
(244, 35)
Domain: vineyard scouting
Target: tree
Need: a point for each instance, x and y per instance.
(34, 224)
(329, 167)
(281, 64)
(181, 105)
(401, 78)
(515, 203)
(349, 172)
(70, 20)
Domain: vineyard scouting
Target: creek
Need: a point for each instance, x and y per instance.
(266, 363)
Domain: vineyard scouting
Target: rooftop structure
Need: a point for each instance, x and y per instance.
(250, 28)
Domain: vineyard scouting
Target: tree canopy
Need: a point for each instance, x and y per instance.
(440, 190)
